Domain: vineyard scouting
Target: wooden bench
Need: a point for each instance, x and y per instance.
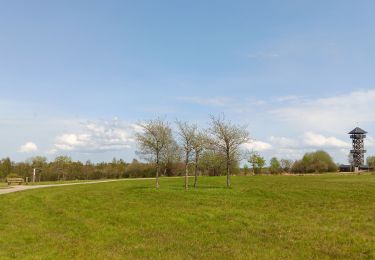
(17, 181)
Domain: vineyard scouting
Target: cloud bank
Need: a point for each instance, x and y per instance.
(332, 114)
(284, 147)
(97, 136)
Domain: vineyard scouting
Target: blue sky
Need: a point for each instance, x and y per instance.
(75, 76)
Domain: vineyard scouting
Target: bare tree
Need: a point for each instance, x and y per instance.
(186, 133)
(154, 139)
(227, 138)
(199, 144)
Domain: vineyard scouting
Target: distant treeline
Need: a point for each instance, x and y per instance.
(64, 168)
(211, 164)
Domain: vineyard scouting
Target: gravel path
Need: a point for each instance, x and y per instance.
(31, 187)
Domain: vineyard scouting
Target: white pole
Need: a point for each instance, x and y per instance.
(34, 175)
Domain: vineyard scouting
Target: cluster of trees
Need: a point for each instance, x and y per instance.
(63, 168)
(314, 162)
(214, 148)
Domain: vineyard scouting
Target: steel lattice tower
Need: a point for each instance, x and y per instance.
(358, 152)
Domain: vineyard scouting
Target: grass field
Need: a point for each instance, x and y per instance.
(262, 217)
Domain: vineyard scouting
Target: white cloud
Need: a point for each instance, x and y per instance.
(96, 137)
(334, 114)
(258, 146)
(284, 147)
(288, 148)
(28, 147)
(318, 140)
(286, 153)
(283, 142)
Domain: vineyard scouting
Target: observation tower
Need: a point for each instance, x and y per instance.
(358, 151)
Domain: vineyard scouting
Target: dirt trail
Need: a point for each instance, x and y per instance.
(30, 187)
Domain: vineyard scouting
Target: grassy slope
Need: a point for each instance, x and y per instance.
(264, 217)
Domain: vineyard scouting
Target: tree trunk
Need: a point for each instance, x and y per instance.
(157, 172)
(196, 172)
(186, 172)
(228, 170)
(228, 175)
(157, 175)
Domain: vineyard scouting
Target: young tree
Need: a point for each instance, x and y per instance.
(257, 162)
(187, 134)
(227, 139)
(275, 167)
(253, 158)
(199, 143)
(154, 139)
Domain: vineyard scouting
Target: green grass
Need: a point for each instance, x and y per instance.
(3, 185)
(262, 217)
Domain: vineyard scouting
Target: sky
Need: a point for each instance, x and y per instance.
(77, 76)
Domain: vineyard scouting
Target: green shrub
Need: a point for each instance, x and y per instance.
(315, 162)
